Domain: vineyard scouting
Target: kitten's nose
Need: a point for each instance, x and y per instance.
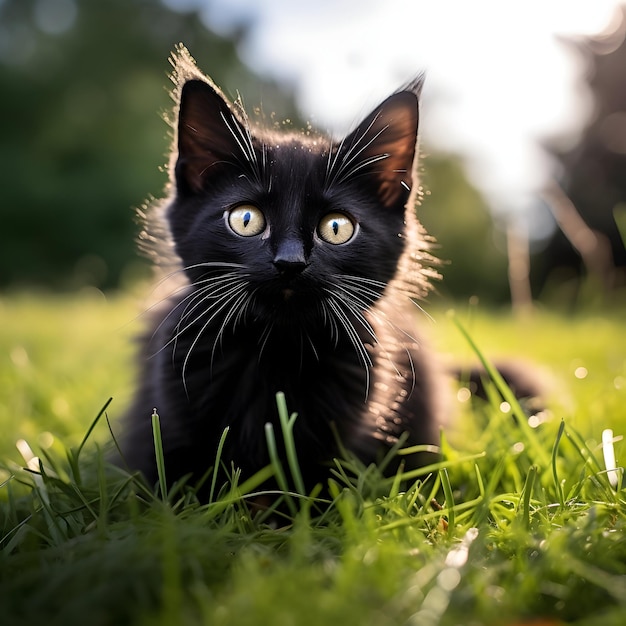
(289, 268)
(290, 259)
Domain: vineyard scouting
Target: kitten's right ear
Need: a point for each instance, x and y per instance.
(384, 147)
(209, 135)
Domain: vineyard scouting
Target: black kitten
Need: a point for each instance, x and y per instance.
(300, 256)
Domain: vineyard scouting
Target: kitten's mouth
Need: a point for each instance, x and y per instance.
(290, 292)
(290, 287)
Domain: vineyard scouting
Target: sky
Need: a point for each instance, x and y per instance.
(499, 77)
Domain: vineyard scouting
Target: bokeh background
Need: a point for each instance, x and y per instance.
(523, 127)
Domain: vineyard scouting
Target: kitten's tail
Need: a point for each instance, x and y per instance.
(524, 380)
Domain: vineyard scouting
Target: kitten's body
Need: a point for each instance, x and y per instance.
(278, 300)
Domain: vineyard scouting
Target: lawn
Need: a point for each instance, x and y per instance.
(519, 524)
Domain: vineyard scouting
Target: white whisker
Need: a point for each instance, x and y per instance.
(357, 312)
(196, 299)
(350, 164)
(265, 335)
(235, 292)
(182, 287)
(348, 173)
(244, 142)
(357, 295)
(234, 310)
(336, 306)
(308, 336)
(421, 309)
(329, 320)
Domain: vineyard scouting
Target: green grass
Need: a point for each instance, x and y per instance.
(515, 523)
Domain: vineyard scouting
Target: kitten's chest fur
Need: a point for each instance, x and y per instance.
(214, 377)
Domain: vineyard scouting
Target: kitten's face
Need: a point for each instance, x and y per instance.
(289, 226)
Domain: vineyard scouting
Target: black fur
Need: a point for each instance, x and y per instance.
(330, 325)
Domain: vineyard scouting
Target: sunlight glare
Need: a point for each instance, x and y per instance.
(499, 78)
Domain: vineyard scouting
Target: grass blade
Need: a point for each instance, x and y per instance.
(92, 426)
(555, 473)
(287, 424)
(275, 461)
(507, 395)
(158, 449)
(447, 491)
(218, 458)
(527, 495)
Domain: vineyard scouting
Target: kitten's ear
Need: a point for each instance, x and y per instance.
(384, 146)
(209, 134)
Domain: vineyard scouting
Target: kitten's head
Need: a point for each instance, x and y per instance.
(289, 224)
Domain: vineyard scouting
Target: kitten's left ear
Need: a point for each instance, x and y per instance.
(384, 146)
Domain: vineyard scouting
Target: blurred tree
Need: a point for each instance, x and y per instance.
(593, 174)
(472, 250)
(84, 84)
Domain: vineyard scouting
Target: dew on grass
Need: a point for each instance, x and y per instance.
(463, 394)
(495, 592)
(457, 557)
(19, 357)
(437, 599)
(60, 406)
(45, 440)
(538, 418)
(581, 372)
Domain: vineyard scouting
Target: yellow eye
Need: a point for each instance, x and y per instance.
(246, 220)
(336, 228)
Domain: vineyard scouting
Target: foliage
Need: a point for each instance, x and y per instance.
(590, 172)
(471, 249)
(83, 142)
(516, 522)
